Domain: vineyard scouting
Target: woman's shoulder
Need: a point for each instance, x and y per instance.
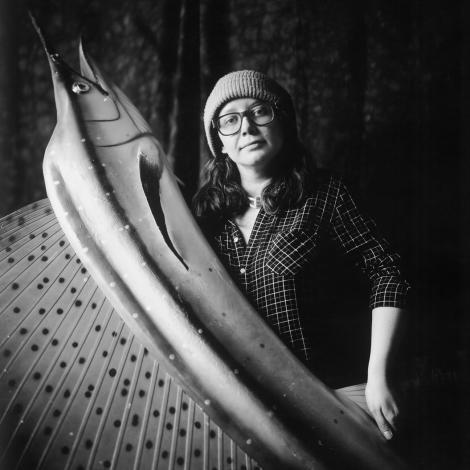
(325, 184)
(323, 189)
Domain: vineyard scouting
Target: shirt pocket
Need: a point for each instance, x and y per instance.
(289, 252)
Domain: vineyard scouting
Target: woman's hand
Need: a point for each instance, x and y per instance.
(382, 405)
(379, 397)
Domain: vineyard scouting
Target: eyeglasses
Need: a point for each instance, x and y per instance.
(231, 123)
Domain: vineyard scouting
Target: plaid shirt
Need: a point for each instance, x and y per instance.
(273, 267)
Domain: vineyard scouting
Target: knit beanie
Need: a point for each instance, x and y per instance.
(244, 84)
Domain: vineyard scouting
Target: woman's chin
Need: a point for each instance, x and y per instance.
(254, 159)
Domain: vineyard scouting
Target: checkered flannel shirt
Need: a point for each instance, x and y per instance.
(270, 268)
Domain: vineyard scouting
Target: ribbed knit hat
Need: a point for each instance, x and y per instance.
(244, 84)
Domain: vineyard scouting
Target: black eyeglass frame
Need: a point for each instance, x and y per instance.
(246, 113)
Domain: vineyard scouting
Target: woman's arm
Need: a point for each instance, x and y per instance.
(380, 398)
(357, 235)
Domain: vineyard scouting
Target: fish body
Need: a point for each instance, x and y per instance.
(120, 206)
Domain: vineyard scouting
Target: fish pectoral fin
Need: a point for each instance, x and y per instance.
(150, 173)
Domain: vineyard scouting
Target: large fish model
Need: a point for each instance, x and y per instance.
(121, 209)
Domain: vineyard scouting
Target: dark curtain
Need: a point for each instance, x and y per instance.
(8, 106)
(381, 91)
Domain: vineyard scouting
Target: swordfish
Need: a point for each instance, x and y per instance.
(119, 204)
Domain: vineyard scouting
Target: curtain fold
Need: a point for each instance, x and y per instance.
(8, 105)
(185, 131)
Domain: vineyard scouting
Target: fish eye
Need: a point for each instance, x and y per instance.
(80, 87)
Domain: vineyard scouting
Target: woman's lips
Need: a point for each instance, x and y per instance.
(255, 143)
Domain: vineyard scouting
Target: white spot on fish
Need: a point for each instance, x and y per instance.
(144, 263)
(82, 140)
(126, 227)
(249, 441)
(200, 331)
(103, 164)
(70, 433)
(172, 357)
(108, 194)
(90, 167)
(135, 315)
(207, 402)
(56, 182)
(112, 284)
(147, 308)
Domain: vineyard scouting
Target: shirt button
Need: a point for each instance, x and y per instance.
(235, 239)
(243, 270)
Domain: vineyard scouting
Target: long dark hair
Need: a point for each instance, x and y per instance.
(221, 194)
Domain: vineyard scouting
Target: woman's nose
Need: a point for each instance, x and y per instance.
(248, 127)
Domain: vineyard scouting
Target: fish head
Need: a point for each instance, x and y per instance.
(78, 92)
(74, 90)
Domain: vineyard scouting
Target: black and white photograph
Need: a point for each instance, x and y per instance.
(234, 235)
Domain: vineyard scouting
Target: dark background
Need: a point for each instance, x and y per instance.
(382, 94)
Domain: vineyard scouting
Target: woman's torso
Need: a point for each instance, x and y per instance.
(272, 266)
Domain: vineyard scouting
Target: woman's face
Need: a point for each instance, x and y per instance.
(253, 147)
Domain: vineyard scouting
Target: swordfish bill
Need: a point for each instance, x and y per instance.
(120, 206)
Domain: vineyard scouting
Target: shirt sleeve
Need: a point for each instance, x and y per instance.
(358, 237)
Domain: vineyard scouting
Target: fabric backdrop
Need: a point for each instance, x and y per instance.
(380, 90)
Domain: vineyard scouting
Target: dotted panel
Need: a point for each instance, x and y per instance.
(77, 389)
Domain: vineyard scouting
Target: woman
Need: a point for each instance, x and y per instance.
(267, 213)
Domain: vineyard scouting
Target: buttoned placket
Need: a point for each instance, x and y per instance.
(244, 251)
(240, 248)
